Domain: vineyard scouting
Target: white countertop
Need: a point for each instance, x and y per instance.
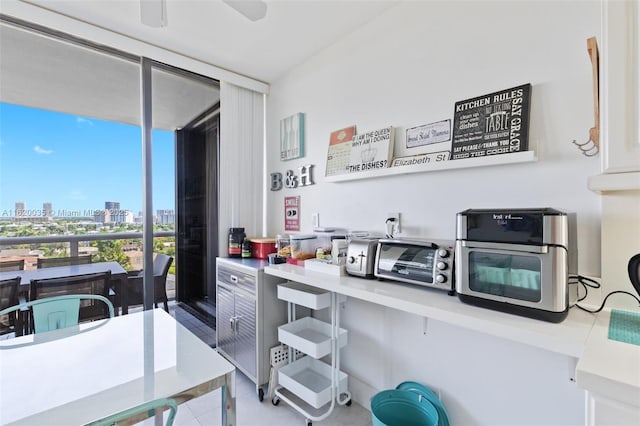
(568, 337)
(608, 367)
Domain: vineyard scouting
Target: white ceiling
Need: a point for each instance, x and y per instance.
(210, 30)
(49, 74)
(45, 73)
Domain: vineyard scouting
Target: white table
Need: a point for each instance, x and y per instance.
(80, 374)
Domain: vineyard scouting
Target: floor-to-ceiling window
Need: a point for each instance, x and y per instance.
(70, 150)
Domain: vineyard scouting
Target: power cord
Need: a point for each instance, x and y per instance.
(585, 282)
(588, 283)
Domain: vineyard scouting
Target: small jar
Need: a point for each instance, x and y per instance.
(236, 236)
(339, 248)
(246, 248)
(283, 247)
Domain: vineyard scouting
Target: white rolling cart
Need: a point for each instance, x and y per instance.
(308, 378)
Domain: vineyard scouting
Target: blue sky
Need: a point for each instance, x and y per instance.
(78, 163)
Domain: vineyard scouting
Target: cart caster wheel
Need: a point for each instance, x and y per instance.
(261, 394)
(275, 401)
(348, 403)
(308, 422)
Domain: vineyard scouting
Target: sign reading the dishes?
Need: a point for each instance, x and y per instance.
(371, 150)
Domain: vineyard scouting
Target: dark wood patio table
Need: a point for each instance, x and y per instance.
(118, 276)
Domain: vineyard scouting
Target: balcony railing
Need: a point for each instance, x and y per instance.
(74, 240)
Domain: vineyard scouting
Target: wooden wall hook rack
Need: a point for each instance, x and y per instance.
(592, 146)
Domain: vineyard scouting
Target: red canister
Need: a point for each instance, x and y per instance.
(262, 247)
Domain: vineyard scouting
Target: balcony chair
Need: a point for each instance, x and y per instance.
(135, 295)
(88, 284)
(12, 265)
(9, 297)
(140, 413)
(49, 262)
(52, 313)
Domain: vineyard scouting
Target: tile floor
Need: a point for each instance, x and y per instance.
(205, 410)
(204, 330)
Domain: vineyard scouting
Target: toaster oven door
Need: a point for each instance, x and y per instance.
(408, 263)
(536, 278)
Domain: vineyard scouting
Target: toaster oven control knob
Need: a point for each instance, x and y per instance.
(352, 259)
(443, 253)
(441, 266)
(441, 278)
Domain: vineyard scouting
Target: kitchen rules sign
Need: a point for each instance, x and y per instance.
(292, 213)
(497, 123)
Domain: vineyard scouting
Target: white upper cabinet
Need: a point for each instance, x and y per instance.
(620, 86)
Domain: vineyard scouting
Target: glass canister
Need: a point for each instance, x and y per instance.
(236, 237)
(303, 246)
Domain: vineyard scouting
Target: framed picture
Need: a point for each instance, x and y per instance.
(428, 134)
(292, 137)
(292, 213)
(497, 123)
(339, 151)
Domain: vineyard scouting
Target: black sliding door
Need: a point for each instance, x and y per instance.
(197, 207)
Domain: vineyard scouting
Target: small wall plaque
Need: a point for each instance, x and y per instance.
(292, 137)
(440, 131)
(292, 213)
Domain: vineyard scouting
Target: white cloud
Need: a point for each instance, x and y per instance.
(82, 120)
(39, 150)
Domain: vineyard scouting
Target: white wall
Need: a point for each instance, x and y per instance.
(407, 68)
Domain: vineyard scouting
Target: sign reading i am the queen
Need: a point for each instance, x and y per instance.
(497, 123)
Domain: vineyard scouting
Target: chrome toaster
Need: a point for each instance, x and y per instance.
(361, 256)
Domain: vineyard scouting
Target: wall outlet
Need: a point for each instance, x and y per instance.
(316, 220)
(396, 216)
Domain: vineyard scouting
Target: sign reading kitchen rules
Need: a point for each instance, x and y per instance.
(497, 123)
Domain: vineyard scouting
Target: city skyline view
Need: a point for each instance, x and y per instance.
(78, 163)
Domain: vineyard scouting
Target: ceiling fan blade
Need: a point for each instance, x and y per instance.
(254, 10)
(153, 13)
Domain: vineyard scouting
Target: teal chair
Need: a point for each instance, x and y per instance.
(140, 413)
(57, 312)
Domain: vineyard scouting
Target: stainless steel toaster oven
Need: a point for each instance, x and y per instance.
(426, 263)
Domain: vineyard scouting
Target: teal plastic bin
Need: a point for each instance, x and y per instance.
(398, 407)
(415, 387)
